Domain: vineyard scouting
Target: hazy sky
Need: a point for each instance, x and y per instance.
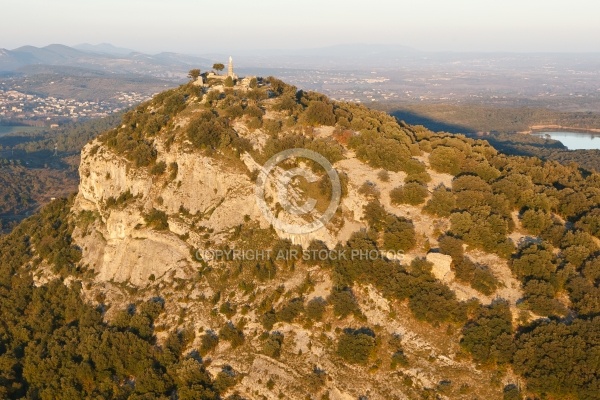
(198, 26)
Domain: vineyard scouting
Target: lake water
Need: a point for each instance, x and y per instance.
(574, 141)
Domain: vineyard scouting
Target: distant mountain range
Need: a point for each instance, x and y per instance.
(104, 48)
(86, 55)
(109, 58)
(356, 56)
(103, 57)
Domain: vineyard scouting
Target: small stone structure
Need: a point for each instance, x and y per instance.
(199, 81)
(243, 83)
(230, 73)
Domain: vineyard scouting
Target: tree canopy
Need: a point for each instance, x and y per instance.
(194, 74)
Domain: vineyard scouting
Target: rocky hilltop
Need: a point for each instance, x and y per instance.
(446, 269)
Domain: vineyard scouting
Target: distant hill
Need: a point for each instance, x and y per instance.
(51, 55)
(85, 84)
(103, 48)
(103, 57)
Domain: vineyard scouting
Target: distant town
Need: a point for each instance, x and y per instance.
(33, 109)
(571, 91)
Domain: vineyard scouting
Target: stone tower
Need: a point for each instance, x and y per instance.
(230, 68)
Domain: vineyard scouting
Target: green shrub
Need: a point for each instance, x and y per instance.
(535, 262)
(159, 168)
(234, 111)
(254, 123)
(590, 222)
(210, 131)
(272, 127)
(316, 380)
(287, 103)
(132, 138)
(280, 87)
(375, 215)
(535, 222)
(585, 297)
(399, 359)
(266, 271)
(231, 334)
(399, 234)
(70, 340)
(291, 310)
(174, 169)
(209, 341)
(369, 190)
(452, 246)
(315, 308)
(228, 309)
(143, 154)
(448, 160)
(540, 297)
(357, 346)
(254, 111)
(470, 182)
(157, 220)
(484, 230)
(319, 113)
(226, 378)
(272, 344)
(411, 193)
(120, 201)
(511, 392)
(591, 269)
(344, 303)
(479, 277)
(383, 175)
(434, 302)
(420, 177)
(441, 203)
(269, 319)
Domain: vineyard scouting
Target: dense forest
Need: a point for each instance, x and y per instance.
(67, 140)
(473, 118)
(36, 167)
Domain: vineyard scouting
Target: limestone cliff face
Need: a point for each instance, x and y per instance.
(129, 251)
(203, 189)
